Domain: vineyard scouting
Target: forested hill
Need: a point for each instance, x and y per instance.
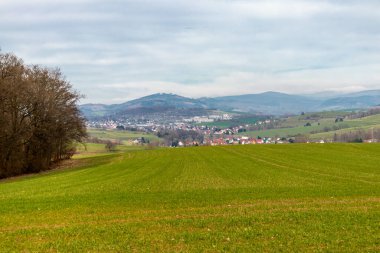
(274, 103)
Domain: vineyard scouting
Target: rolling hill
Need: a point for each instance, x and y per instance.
(160, 100)
(153, 104)
(342, 103)
(273, 103)
(266, 103)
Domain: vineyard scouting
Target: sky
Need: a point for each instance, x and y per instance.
(117, 50)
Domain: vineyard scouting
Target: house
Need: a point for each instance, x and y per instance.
(218, 141)
(140, 140)
(370, 141)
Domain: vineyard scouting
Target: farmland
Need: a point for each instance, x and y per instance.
(124, 136)
(96, 149)
(321, 127)
(300, 197)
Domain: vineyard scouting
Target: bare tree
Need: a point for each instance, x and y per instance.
(39, 119)
(110, 146)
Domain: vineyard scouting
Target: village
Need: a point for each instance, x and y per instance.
(229, 129)
(190, 132)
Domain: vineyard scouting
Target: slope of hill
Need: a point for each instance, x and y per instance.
(160, 100)
(355, 102)
(371, 93)
(208, 199)
(268, 103)
(323, 126)
(153, 104)
(94, 110)
(274, 103)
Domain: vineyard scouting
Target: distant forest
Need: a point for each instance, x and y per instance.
(39, 118)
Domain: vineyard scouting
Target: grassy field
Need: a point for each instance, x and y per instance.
(296, 125)
(330, 135)
(271, 198)
(366, 124)
(125, 136)
(96, 149)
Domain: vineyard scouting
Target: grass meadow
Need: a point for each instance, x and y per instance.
(296, 125)
(269, 198)
(125, 136)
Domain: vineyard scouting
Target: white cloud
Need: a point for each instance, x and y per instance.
(345, 79)
(282, 9)
(198, 48)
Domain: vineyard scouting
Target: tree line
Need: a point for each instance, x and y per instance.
(39, 117)
(370, 112)
(358, 136)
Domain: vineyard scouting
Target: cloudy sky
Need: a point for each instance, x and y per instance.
(116, 50)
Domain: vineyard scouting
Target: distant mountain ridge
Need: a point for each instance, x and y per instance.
(162, 100)
(274, 103)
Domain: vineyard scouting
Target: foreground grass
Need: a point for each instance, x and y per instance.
(236, 198)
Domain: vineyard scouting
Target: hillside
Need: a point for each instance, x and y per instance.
(323, 126)
(300, 198)
(351, 102)
(268, 103)
(273, 103)
(122, 136)
(160, 100)
(153, 104)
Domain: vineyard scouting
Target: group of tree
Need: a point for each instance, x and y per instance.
(173, 137)
(265, 126)
(330, 128)
(39, 117)
(370, 112)
(357, 136)
(97, 140)
(110, 146)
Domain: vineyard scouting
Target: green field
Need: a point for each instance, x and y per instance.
(268, 198)
(86, 150)
(330, 135)
(296, 125)
(124, 136)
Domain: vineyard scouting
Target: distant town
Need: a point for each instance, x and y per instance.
(224, 129)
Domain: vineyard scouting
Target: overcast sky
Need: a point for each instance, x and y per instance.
(116, 50)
